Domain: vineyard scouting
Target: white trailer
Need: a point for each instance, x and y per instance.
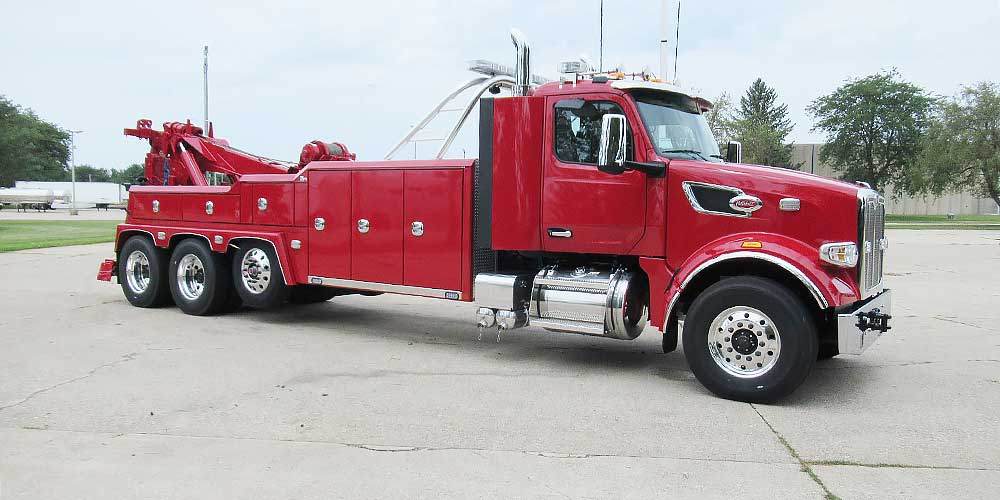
(28, 198)
(88, 194)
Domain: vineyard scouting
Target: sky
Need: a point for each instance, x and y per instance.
(362, 73)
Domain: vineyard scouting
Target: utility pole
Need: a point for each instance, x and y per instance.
(72, 167)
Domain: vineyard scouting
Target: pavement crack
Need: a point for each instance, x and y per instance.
(124, 359)
(806, 466)
(386, 449)
(851, 463)
(382, 448)
(957, 322)
(372, 374)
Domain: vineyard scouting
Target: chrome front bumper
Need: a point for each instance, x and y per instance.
(864, 323)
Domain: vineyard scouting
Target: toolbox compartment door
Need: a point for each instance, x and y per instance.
(377, 226)
(212, 207)
(330, 224)
(432, 228)
(274, 204)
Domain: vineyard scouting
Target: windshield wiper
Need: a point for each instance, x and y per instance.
(696, 154)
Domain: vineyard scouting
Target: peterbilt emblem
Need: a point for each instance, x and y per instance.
(745, 203)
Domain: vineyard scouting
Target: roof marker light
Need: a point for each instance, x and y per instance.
(573, 67)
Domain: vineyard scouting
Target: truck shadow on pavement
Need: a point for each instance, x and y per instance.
(532, 347)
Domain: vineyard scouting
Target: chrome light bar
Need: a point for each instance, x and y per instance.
(490, 68)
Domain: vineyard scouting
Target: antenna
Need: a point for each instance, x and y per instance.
(664, 35)
(677, 39)
(601, 57)
(206, 89)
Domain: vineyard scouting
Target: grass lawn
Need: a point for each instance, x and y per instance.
(25, 234)
(943, 219)
(980, 222)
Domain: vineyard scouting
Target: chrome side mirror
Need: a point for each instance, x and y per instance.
(614, 141)
(734, 152)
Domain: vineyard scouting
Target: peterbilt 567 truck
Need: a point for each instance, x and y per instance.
(600, 204)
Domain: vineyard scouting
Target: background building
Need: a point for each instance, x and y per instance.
(963, 203)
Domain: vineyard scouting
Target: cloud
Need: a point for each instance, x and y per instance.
(285, 73)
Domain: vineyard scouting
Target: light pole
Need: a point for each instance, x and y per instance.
(72, 166)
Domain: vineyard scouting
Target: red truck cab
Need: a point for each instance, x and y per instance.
(599, 205)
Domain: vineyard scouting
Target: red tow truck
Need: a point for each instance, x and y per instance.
(600, 204)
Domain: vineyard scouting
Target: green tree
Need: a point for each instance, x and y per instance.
(30, 148)
(129, 175)
(874, 126)
(761, 125)
(719, 119)
(961, 149)
(87, 173)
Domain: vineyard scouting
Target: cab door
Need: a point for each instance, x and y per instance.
(585, 210)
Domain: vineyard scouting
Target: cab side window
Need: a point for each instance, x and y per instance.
(578, 129)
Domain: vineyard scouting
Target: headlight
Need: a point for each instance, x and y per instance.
(839, 254)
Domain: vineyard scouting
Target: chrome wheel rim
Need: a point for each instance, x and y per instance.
(191, 277)
(137, 271)
(744, 342)
(255, 270)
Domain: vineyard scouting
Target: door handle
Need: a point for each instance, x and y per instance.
(363, 226)
(558, 232)
(319, 223)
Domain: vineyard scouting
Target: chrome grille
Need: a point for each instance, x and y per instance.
(871, 240)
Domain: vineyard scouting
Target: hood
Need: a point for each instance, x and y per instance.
(786, 175)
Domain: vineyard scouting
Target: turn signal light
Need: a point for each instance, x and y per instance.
(839, 254)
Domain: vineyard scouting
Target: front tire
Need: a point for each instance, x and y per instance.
(750, 339)
(142, 273)
(199, 278)
(257, 276)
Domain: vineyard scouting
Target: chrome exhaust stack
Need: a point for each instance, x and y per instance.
(522, 63)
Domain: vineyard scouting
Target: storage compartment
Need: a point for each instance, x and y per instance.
(377, 220)
(211, 208)
(274, 204)
(330, 224)
(152, 205)
(432, 228)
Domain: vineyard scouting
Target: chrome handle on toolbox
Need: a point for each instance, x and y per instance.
(364, 226)
(558, 232)
(319, 223)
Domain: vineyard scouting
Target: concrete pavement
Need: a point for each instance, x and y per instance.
(395, 397)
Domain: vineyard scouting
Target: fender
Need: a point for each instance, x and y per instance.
(219, 240)
(829, 286)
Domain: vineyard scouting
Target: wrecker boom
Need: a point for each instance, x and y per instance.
(181, 154)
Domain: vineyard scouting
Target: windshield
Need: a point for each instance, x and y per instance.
(675, 125)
